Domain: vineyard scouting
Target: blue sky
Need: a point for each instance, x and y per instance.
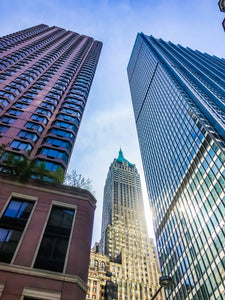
(108, 121)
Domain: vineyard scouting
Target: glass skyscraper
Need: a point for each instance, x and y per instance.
(178, 98)
(45, 77)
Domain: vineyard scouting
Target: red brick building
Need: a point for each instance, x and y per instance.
(45, 79)
(45, 237)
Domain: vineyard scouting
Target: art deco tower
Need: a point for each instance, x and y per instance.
(46, 74)
(133, 256)
(178, 99)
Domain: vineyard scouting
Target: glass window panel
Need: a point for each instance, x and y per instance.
(53, 248)
(12, 224)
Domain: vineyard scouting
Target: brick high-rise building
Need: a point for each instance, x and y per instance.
(45, 228)
(178, 97)
(46, 74)
(124, 238)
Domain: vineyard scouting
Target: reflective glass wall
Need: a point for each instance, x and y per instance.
(178, 99)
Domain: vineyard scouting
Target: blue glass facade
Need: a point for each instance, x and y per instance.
(178, 99)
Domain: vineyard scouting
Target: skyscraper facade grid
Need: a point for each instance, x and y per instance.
(45, 77)
(178, 100)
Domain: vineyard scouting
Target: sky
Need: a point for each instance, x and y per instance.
(108, 122)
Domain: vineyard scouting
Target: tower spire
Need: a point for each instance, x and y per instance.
(121, 158)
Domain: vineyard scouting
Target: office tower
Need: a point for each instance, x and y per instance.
(46, 74)
(45, 228)
(124, 238)
(179, 106)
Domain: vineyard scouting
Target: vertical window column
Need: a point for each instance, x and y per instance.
(53, 249)
(12, 225)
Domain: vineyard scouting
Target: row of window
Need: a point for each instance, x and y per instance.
(73, 106)
(16, 38)
(23, 55)
(102, 265)
(33, 137)
(35, 70)
(38, 127)
(49, 152)
(53, 248)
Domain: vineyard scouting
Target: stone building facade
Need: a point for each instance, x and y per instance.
(130, 254)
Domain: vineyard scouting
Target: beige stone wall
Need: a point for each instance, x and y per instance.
(97, 276)
(138, 273)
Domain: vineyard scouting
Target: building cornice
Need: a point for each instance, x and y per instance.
(59, 189)
(44, 274)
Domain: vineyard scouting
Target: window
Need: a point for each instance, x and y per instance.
(49, 99)
(71, 105)
(14, 112)
(50, 166)
(20, 145)
(39, 119)
(52, 252)
(102, 266)
(18, 84)
(26, 100)
(7, 95)
(23, 81)
(62, 133)
(4, 102)
(54, 153)
(28, 135)
(95, 266)
(58, 143)
(44, 111)
(68, 110)
(30, 94)
(69, 119)
(54, 95)
(21, 105)
(34, 126)
(48, 105)
(66, 125)
(79, 90)
(60, 86)
(12, 224)
(3, 128)
(11, 89)
(8, 120)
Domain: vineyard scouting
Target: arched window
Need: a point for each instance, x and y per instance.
(96, 265)
(102, 266)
